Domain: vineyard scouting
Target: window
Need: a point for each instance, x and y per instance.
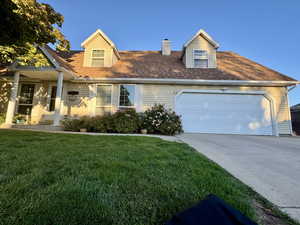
(52, 99)
(200, 63)
(26, 99)
(200, 53)
(103, 98)
(127, 95)
(200, 59)
(97, 58)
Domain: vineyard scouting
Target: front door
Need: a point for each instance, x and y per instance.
(25, 99)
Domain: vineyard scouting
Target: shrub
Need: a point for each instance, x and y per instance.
(121, 122)
(159, 120)
(127, 121)
(76, 124)
(2, 118)
(102, 124)
(71, 124)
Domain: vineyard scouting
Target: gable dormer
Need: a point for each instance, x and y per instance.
(200, 51)
(99, 51)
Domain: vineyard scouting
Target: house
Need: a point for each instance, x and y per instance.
(214, 91)
(295, 113)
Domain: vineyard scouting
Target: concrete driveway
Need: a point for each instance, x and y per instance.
(270, 165)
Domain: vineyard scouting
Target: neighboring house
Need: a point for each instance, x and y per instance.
(295, 113)
(214, 91)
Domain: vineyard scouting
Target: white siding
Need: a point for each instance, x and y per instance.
(165, 94)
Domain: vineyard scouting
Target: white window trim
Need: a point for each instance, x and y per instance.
(200, 57)
(111, 94)
(92, 57)
(134, 97)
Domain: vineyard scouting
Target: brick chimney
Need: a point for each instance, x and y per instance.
(166, 47)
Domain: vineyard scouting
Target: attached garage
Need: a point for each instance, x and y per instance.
(225, 112)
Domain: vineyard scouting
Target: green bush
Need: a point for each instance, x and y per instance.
(76, 124)
(2, 118)
(120, 122)
(127, 121)
(156, 120)
(71, 124)
(159, 120)
(102, 124)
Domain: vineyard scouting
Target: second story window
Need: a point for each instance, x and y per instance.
(97, 58)
(200, 59)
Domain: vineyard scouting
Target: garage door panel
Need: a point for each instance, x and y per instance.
(225, 113)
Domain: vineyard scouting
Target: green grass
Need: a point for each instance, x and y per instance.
(79, 179)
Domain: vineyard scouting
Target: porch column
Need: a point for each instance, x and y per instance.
(12, 100)
(59, 86)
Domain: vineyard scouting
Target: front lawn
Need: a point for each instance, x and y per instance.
(58, 179)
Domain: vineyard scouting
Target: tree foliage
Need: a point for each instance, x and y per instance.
(24, 23)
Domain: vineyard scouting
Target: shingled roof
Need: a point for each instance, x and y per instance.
(152, 64)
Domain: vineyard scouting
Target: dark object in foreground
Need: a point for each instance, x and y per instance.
(211, 211)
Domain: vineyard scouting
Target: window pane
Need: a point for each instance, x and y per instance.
(127, 93)
(201, 63)
(24, 109)
(97, 62)
(52, 99)
(53, 92)
(103, 95)
(26, 94)
(200, 53)
(98, 53)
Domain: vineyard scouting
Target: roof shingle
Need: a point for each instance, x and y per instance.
(152, 64)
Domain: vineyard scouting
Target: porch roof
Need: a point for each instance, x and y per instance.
(44, 73)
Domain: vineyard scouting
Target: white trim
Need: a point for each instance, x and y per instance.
(139, 98)
(289, 108)
(49, 56)
(134, 97)
(189, 81)
(101, 33)
(206, 36)
(267, 96)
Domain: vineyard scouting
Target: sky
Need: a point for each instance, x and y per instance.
(266, 31)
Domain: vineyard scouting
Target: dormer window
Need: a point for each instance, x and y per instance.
(97, 58)
(200, 59)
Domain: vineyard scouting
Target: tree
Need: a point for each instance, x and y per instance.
(24, 23)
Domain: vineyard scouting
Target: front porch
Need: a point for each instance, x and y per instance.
(36, 97)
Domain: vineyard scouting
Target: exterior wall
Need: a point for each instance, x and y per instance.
(146, 96)
(78, 105)
(99, 43)
(165, 94)
(202, 44)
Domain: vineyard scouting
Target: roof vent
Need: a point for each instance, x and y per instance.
(166, 47)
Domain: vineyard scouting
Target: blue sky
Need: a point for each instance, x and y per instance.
(264, 31)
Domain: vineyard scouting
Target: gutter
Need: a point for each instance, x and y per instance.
(188, 82)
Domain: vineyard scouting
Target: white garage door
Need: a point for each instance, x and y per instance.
(224, 113)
